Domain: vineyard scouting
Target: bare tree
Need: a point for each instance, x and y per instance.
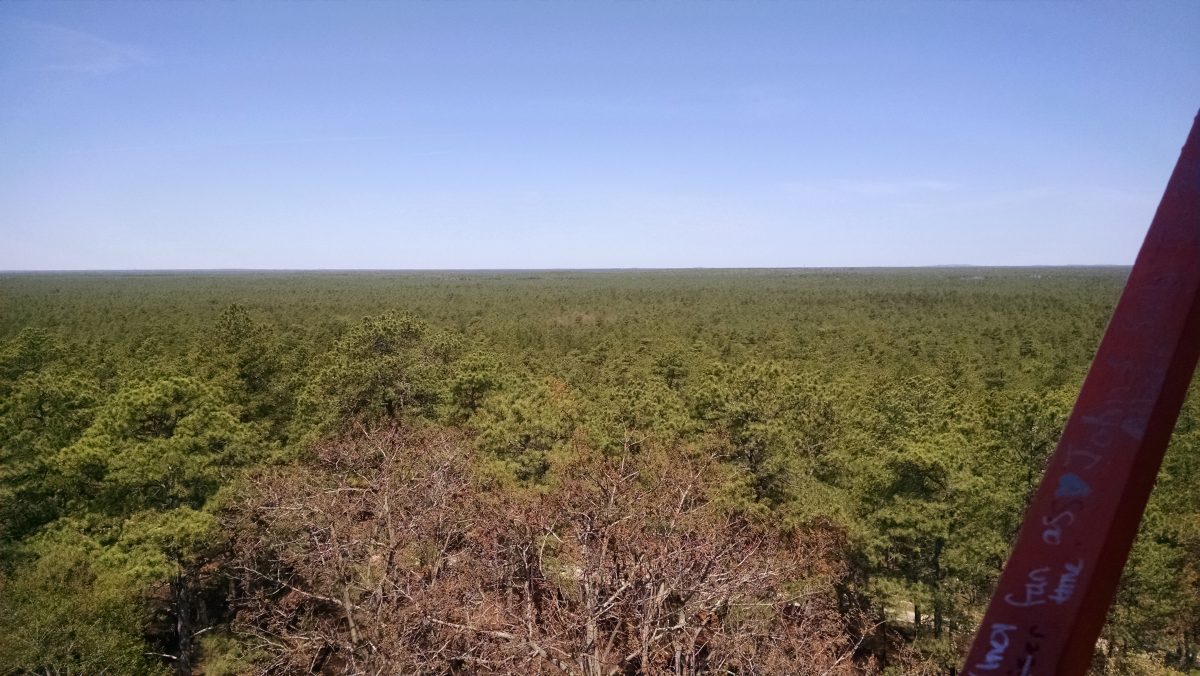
(386, 554)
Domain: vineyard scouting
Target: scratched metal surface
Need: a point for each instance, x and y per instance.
(1054, 593)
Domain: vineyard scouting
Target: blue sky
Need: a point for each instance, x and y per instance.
(575, 134)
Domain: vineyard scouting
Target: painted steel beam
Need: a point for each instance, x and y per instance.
(1056, 588)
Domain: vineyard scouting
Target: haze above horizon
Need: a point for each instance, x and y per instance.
(491, 136)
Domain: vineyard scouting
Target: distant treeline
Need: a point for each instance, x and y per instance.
(601, 472)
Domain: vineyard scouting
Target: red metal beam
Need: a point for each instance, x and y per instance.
(1054, 593)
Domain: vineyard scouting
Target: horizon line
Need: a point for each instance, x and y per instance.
(942, 266)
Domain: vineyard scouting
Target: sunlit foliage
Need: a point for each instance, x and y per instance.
(174, 448)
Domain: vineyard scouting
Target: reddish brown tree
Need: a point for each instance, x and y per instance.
(387, 554)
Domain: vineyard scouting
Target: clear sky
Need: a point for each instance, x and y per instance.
(575, 134)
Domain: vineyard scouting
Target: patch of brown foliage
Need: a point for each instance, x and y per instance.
(385, 556)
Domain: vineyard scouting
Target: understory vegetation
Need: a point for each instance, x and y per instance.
(743, 472)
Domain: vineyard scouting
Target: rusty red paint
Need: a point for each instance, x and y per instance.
(1054, 593)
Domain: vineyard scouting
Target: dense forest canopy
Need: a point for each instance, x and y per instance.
(728, 471)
